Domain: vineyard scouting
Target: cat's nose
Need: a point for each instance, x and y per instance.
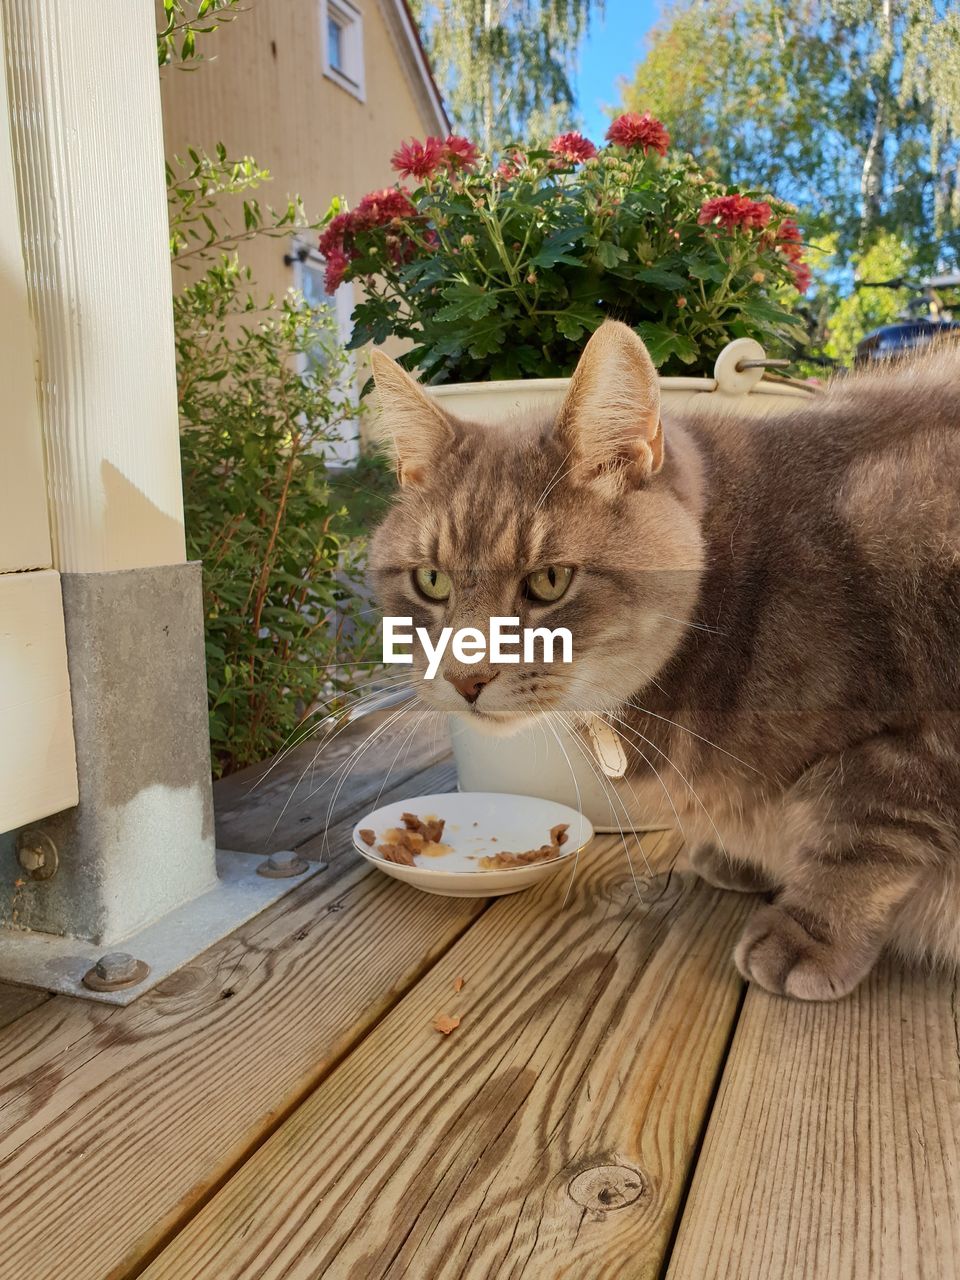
(470, 686)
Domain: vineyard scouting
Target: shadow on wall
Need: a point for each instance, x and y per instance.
(135, 530)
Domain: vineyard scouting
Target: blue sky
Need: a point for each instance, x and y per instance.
(613, 48)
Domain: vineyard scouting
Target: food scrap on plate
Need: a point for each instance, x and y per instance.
(503, 859)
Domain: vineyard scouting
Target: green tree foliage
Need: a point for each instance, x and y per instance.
(850, 108)
(506, 67)
(866, 308)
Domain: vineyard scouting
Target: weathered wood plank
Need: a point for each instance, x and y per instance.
(834, 1148)
(279, 806)
(114, 1122)
(16, 1001)
(549, 1136)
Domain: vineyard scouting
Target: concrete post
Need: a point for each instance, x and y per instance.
(84, 110)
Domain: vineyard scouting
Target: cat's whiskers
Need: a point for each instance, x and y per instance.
(683, 728)
(347, 764)
(611, 795)
(287, 745)
(403, 749)
(576, 784)
(553, 479)
(687, 783)
(354, 760)
(649, 763)
(611, 716)
(694, 626)
(364, 706)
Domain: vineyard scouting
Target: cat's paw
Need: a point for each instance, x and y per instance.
(714, 866)
(782, 955)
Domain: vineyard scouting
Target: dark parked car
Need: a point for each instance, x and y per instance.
(929, 316)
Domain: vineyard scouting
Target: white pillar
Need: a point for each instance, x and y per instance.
(85, 124)
(88, 148)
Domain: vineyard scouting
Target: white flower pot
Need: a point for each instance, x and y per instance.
(532, 762)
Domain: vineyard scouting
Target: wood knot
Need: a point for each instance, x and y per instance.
(607, 1187)
(181, 982)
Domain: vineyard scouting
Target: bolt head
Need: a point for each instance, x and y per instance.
(37, 854)
(116, 966)
(283, 863)
(114, 970)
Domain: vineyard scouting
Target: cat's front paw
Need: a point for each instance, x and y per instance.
(791, 958)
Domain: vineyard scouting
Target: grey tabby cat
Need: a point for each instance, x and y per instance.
(767, 612)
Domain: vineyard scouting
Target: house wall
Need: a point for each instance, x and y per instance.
(263, 93)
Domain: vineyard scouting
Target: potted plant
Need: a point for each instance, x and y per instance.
(497, 270)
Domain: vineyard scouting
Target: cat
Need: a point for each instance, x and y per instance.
(767, 611)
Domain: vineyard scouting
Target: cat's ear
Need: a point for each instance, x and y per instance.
(411, 423)
(610, 418)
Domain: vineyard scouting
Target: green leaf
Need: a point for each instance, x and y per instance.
(578, 320)
(608, 255)
(661, 277)
(764, 312)
(467, 301)
(554, 248)
(663, 342)
(701, 270)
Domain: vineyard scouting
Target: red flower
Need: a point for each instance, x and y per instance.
(789, 241)
(333, 234)
(802, 276)
(415, 159)
(632, 131)
(378, 207)
(573, 147)
(511, 165)
(337, 263)
(460, 153)
(735, 211)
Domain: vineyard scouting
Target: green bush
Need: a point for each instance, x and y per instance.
(278, 566)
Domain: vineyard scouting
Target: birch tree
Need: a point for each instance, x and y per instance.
(506, 67)
(851, 108)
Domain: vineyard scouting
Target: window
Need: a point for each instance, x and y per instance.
(342, 35)
(308, 272)
(335, 44)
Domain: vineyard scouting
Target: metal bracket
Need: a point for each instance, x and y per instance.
(65, 965)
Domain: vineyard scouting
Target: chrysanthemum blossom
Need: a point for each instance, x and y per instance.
(634, 131)
(377, 209)
(789, 241)
(735, 211)
(459, 153)
(511, 165)
(573, 147)
(336, 268)
(416, 159)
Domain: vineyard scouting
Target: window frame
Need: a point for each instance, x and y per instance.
(350, 76)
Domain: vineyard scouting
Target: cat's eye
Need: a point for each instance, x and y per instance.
(549, 584)
(432, 583)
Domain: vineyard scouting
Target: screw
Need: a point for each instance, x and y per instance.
(37, 854)
(282, 864)
(114, 970)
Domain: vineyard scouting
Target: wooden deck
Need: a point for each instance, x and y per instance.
(613, 1104)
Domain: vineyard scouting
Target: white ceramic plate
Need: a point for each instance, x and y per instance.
(477, 823)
